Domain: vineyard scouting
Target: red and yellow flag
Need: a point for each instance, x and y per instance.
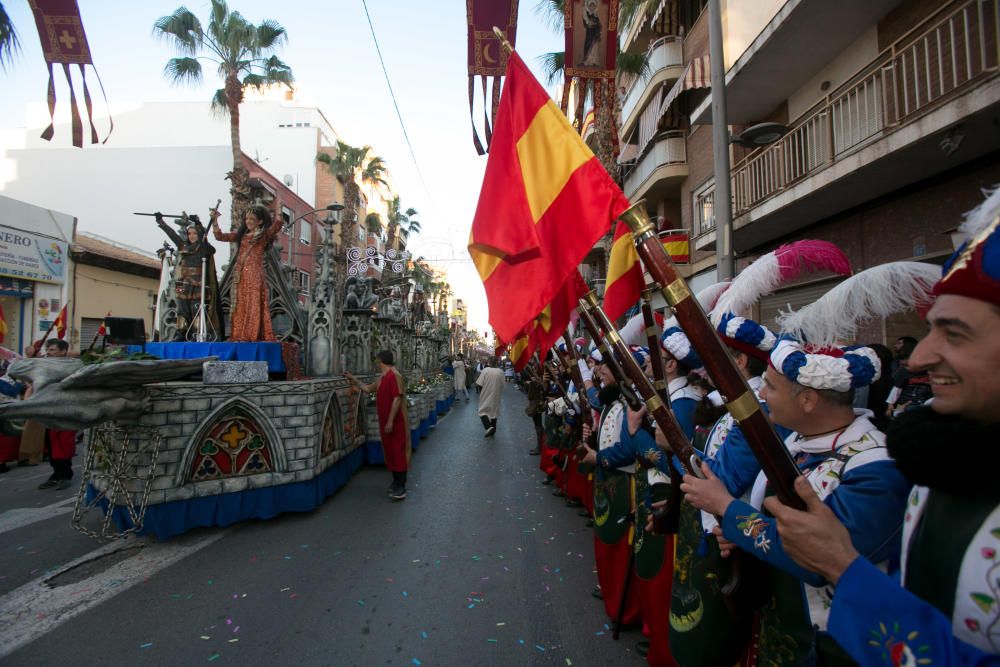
(624, 283)
(103, 329)
(545, 202)
(677, 246)
(60, 324)
(553, 320)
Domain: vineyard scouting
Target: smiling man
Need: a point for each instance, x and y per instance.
(946, 611)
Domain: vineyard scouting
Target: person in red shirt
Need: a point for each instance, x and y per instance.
(390, 404)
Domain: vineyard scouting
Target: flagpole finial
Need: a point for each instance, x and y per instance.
(503, 39)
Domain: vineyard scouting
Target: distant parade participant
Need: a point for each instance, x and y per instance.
(491, 381)
(843, 456)
(249, 308)
(61, 444)
(192, 249)
(458, 365)
(390, 404)
(945, 610)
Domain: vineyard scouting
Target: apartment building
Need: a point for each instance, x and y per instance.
(893, 116)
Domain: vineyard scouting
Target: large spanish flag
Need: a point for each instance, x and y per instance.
(545, 202)
(624, 283)
(555, 318)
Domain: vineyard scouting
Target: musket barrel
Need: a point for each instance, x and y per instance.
(770, 451)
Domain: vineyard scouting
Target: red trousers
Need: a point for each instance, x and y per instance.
(654, 601)
(62, 444)
(612, 564)
(10, 447)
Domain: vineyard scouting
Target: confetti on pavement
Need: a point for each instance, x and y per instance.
(146, 645)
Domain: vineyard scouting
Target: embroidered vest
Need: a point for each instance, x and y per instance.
(958, 575)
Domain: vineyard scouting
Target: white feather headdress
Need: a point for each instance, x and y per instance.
(876, 292)
(768, 272)
(983, 215)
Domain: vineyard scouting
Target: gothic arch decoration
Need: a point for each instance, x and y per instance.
(236, 440)
(333, 431)
(288, 317)
(355, 417)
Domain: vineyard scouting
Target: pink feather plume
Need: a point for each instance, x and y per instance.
(810, 256)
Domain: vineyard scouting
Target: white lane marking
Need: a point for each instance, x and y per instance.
(28, 612)
(25, 516)
(16, 478)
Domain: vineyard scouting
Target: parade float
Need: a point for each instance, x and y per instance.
(212, 433)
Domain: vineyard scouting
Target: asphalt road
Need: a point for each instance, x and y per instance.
(481, 565)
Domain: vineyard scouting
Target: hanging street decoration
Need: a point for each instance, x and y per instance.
(487, 57)
(591, 57)
(60, 30)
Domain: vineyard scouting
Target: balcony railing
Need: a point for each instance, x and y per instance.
(933, 63)
(668, 148)
(663, 53)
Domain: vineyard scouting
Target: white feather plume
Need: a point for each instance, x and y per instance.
(634, 331)
(709, 296)
(876, 292)
(983, 215)
(756, 280)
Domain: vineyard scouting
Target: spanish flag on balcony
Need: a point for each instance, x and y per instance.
(675, 242)
(544, 202)
(624, 282)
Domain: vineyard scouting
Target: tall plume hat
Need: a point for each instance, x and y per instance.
(974, 269)
(762, 277)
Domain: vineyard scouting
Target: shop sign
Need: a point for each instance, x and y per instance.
(32, 257)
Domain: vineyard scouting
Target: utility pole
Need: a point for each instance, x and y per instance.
(723, 204)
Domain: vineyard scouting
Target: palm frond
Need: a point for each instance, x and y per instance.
(220, 105)
(411, 212)
(217, 18)
(551, 12)
(553, 66)
(373, 223)
(270, 35)
(275, 71)
(9, 44)
(182, 70)
(182, 28)
(255, 81)
(633, 63)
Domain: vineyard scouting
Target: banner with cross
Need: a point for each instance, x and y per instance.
(60, 31)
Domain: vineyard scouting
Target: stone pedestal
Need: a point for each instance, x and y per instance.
(356, 341)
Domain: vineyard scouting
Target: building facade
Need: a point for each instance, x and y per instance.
(36, 270)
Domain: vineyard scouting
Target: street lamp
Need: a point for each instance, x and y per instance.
(760, 134)
(335, 207)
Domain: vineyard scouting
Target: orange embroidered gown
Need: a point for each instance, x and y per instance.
(249, 311)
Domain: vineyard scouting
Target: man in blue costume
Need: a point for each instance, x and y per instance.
(946, 610)
(843, 456)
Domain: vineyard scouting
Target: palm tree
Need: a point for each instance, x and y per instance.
(351, 165)
(244, 55)
(8, 39)
(401, 221)
(373, 223)
(554, 65)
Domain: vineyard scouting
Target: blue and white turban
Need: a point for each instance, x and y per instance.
(676, 343)
(834, 368)
(747, 336)
(640, 354)
(596, 355)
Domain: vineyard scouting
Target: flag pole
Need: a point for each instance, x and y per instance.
(51, 326)
(503, 40)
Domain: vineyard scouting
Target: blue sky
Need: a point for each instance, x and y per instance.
(331, 52)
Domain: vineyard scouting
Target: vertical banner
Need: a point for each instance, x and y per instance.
(60, 31)
(487, 57)
(591, 57)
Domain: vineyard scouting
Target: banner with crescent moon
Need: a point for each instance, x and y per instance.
(591, 58)
(487, 57)
(60, 30)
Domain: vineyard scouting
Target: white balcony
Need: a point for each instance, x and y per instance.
(666, 64)
(660, 169)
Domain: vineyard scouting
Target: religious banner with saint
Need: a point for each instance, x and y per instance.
(60, 30)
(487, 57)
(591, 57)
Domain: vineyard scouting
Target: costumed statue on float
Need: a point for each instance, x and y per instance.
(250, 318)
(196, 285)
